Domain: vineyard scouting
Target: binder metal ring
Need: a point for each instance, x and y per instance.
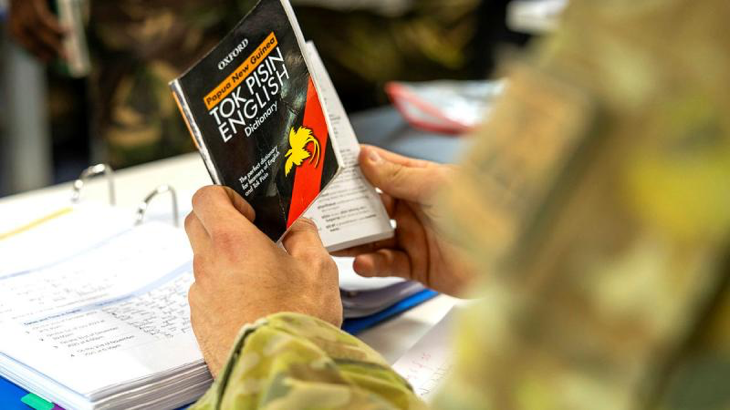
(91, 172)
(162, 189)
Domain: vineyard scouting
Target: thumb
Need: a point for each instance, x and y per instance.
(398, 179)
(302, 240)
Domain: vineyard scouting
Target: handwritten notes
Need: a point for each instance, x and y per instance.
(427, 364)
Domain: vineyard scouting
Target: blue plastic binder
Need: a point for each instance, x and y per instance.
(355, 326)
(10, 396)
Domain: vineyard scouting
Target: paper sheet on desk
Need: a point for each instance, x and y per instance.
(118, 303)
(350, 281)
(428, 363)
(366, 296)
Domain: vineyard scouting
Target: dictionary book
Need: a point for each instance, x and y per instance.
(253, 109)
(268, 123)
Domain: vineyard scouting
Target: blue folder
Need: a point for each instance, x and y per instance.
(10, 395)
(355, 326)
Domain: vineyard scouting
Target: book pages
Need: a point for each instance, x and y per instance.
(106, 323)
(349, 212)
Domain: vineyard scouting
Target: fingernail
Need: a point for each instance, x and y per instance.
(374, 157)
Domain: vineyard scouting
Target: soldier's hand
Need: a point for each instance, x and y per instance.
(242, 276)
(417, 251)
(36, 28)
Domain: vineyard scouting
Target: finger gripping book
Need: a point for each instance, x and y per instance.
(254, 111)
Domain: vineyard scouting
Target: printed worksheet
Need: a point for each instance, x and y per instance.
(118, 303)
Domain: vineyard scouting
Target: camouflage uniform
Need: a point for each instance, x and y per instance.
(139, 46)
(290, 360)
(363, 50)
(596, 202)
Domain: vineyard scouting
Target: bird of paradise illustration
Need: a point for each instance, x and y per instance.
(298, 152)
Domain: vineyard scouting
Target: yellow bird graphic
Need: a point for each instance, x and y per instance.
(298, 152)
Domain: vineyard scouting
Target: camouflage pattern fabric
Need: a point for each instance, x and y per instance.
(599, 210)
(596, 203)
(138, 47)
(364, 50)
(289, 361)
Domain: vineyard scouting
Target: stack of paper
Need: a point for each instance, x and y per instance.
(104, 322)
(366, 296)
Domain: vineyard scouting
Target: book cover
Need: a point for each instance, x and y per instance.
(254, 111)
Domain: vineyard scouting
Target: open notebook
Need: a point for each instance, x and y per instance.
(101, 322)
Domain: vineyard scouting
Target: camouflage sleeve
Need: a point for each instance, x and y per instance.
(291, 361)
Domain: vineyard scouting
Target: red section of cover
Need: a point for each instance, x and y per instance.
(308, 179)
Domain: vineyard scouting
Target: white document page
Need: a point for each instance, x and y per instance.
(349, 212)
(113, 313)
(427, 364)
(351, 282)
(48, 234)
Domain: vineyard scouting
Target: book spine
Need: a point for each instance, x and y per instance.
(197, 137)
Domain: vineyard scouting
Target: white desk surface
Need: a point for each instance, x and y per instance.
(186, 174)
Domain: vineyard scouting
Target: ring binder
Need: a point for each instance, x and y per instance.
(162, 189)
(98, 276)
(91, 172)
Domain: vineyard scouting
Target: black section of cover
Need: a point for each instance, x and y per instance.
(330, 166)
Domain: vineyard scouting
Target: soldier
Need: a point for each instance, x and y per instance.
(593, 211)
(138, 47)
(418, 40)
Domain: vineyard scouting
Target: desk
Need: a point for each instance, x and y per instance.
(187, 173)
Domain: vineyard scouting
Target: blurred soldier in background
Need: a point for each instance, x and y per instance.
(365, 44)
(593, 210)
(138, 47)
